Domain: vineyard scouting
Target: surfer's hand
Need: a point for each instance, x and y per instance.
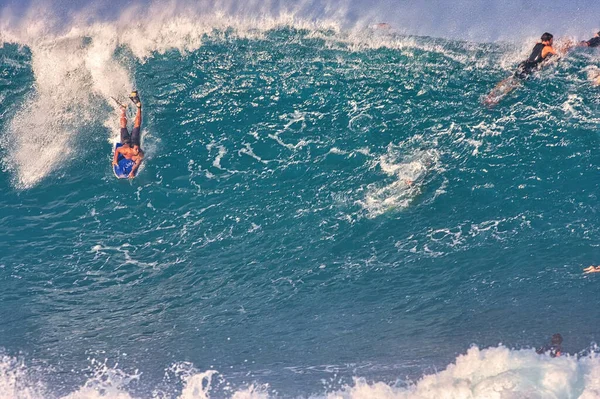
(115, 163)
(131, 176)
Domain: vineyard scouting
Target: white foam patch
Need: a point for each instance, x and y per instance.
(494, 373)
(72, 72)
(409, 169)
(106, 382)
(16, 382)
(490, 373)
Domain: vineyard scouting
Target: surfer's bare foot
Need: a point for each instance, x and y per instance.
(135, 98)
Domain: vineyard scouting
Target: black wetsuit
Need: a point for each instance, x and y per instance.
(526, 67)
(593, 42)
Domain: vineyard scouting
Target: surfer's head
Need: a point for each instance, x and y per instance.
(546, 37)
(557, 339)
(136, 149)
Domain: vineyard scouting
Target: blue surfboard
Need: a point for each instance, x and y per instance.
(123, 167)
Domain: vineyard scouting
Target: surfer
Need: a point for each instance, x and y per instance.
(555, 347)
(593, 42)
(591, 269)
(131, 142)
(540, 53)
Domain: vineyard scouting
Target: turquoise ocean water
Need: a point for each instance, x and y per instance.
(320, 214)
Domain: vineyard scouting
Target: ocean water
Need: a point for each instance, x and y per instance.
(322, 213)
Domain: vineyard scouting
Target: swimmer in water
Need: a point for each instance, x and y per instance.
(591, 269)
(541, 52)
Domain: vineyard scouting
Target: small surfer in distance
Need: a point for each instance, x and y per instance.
(541, 52)
(131, 142)
(591, 269)
(382, 26)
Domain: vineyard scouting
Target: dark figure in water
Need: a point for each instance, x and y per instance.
(554, 349)
(541, 52)
(593, 42)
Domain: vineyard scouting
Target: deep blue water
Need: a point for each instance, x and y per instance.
(313, 208)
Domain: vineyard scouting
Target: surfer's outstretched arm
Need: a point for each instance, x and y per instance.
(116, 156)
(138, 161)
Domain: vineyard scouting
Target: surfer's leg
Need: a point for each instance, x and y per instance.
(135, 133)
(123, 122)
(138, 117)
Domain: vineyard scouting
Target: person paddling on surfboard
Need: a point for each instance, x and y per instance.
(593, 42)
(540, 53)
(131, 143)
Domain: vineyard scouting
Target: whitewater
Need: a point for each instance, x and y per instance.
(326, 208)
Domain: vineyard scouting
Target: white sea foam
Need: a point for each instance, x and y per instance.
(75, 71)
(408, 168)
(496, 372)
(71, 74)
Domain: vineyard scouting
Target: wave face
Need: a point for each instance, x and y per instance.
(322, 213)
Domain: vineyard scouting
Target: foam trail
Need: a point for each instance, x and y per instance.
(409, 171)
(71, 73)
